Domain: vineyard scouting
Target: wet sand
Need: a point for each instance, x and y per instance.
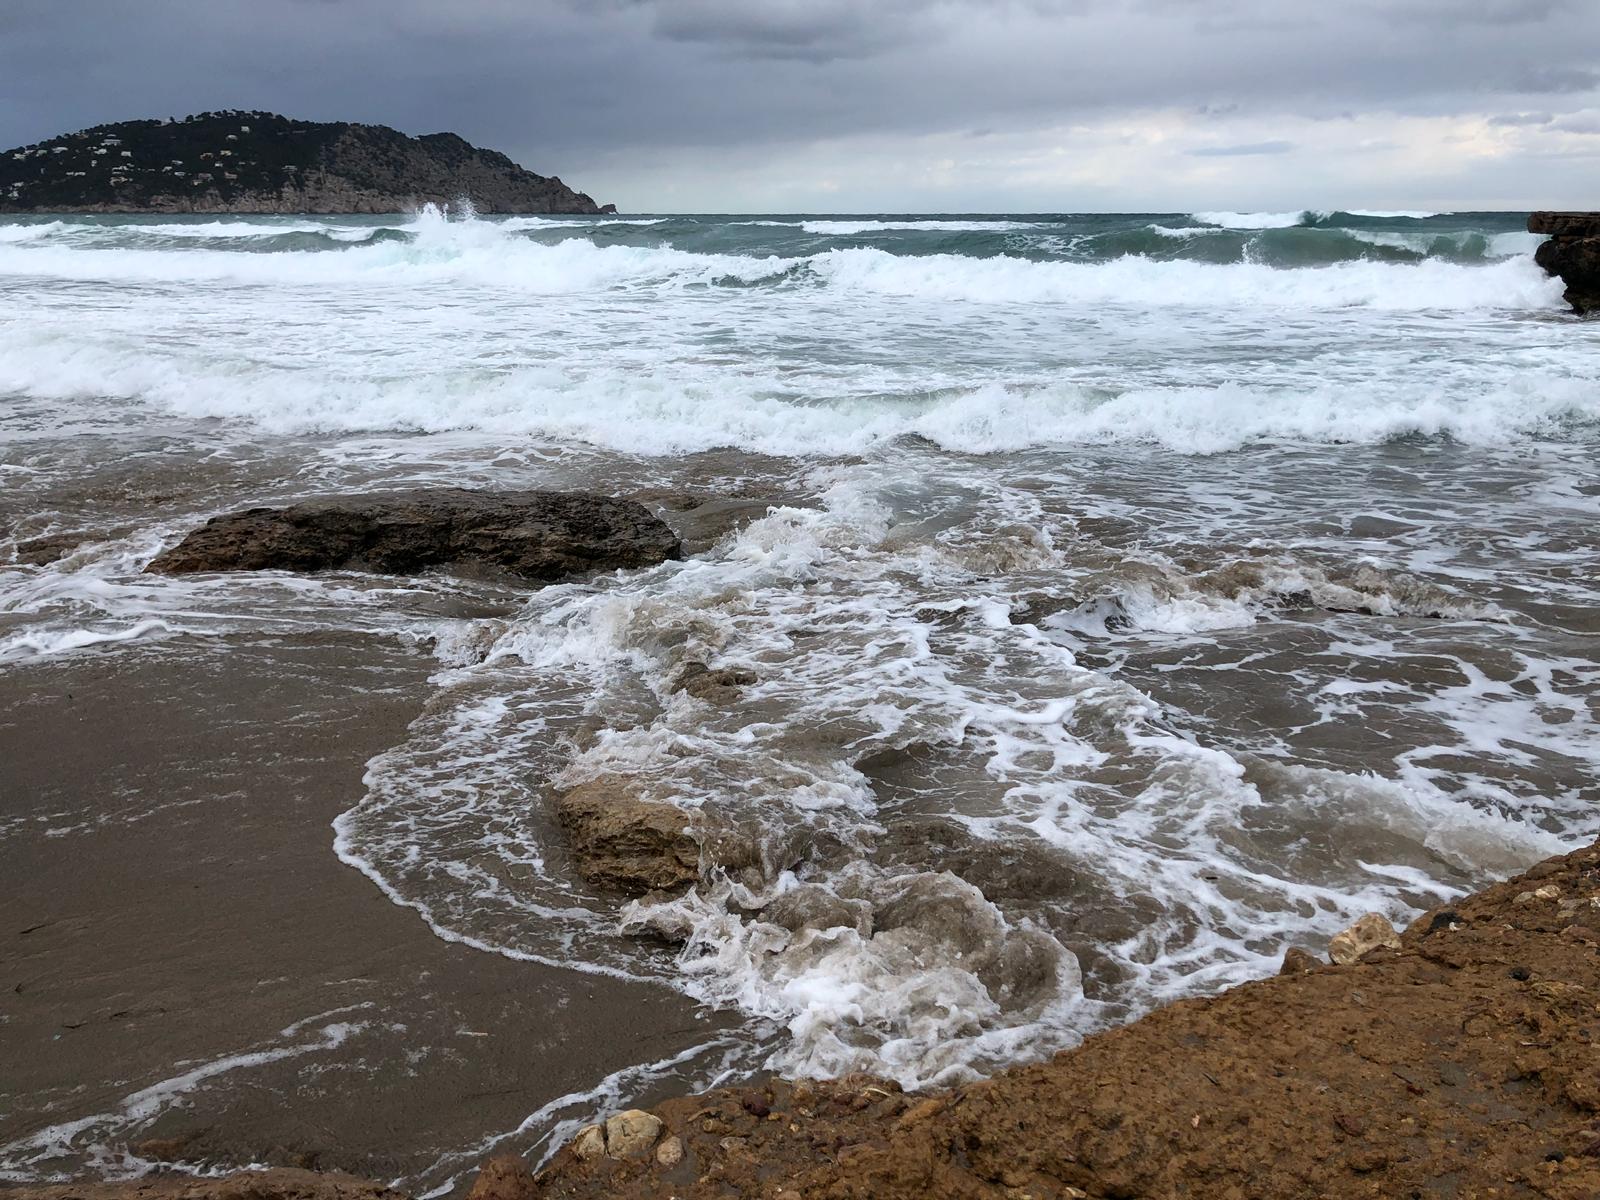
(172, 908)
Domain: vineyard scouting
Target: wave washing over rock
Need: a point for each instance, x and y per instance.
(1073, 612)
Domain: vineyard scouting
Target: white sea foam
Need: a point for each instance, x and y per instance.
(852, 228)
(1287, 220)
(15, 234)
(1145, 283)
(1390, 213)
(942, 831)
(217, 229)
(1252, 220)
(869, 642)
(483, 254)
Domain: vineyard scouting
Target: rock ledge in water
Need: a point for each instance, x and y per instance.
(537, 535)
(1573, 253)
(625, 842)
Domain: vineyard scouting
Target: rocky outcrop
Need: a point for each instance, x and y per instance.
(535, 535)
(258, 162)
(1573, 253)
(627, 843)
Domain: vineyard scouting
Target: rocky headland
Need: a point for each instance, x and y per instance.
(1460, 1058)
(258, 162)
(1573, 253)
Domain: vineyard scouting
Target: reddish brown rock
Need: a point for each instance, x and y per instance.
(1297, 961)
(504, 1178)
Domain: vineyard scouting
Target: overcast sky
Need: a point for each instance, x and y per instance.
(883, 105)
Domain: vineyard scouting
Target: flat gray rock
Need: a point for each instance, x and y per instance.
(541, 536)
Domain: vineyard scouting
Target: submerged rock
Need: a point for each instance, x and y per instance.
(625, 842)
(52, 547)
(537, 535)
(1573, 253)
(721, 686)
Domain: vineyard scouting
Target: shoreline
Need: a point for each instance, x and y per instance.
(1461, 1064)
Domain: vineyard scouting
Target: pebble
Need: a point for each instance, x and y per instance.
(590, 1143)
(755, 1104)
(1366, 935)
(1297, 961)
(632, 1133)
(670, 1152)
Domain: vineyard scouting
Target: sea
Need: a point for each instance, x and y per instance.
(1120, 599)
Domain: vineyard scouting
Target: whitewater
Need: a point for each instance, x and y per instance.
(1121, 598)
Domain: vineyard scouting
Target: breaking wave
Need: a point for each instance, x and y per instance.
(433, 250)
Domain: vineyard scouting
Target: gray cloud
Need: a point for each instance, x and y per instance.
(1583, 122)
(809, 30)
(1245, 150)
(657, 96)
(1556, 79)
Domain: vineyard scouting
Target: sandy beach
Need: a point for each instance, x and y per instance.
(172, 907)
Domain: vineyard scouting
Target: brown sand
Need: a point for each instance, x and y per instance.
(171, 897)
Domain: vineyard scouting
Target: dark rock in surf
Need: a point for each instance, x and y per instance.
(540, 536)
(1573, 253)
(53, 547)
(721, 686)
(1565, 224)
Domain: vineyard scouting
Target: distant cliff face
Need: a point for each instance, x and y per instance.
(253, 162)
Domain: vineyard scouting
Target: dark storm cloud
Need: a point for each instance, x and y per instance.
(812, 30)
(1558, 80)
(609, 86)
